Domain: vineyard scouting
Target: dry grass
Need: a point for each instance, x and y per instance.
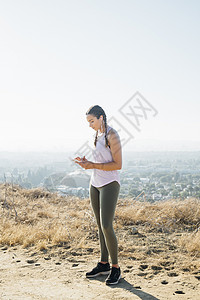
(191, 242)
(166, 215)
(43, 220)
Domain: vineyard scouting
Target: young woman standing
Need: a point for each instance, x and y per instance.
(104, 190)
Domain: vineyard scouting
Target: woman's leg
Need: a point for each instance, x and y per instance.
(95, 202)
(108, 200)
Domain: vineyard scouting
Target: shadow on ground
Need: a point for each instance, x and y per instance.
(124, 284)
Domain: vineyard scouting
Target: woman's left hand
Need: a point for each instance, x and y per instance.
(85, 164)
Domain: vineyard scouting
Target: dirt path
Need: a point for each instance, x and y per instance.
(31, 275)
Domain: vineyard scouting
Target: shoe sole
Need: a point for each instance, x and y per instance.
(100, 273)
(116, 282)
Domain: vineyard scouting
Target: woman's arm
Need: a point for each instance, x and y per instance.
(116, 151)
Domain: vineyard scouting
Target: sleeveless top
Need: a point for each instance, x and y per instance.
(101, 154)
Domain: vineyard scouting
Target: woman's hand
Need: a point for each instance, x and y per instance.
(83, 162)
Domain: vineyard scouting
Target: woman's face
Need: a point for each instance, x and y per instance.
(94, 122)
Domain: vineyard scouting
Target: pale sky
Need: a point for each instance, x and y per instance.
(59, 57)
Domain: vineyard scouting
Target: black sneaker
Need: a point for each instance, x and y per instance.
(100, 269)
(114, 276)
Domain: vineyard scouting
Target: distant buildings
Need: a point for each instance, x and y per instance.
(156, 178)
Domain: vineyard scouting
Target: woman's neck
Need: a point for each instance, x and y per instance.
(102, 132)
(103, 129)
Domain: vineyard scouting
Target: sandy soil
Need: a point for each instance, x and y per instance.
(26, 274)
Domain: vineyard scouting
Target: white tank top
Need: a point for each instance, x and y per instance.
(101, 154)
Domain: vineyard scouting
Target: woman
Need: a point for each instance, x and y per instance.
(104, 190)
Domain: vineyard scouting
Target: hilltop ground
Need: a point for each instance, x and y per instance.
(48, 242)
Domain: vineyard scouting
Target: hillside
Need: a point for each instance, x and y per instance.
(52, 241)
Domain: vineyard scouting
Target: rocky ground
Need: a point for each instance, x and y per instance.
(60, 274)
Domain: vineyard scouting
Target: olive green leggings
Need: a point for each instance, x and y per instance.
(103, 200)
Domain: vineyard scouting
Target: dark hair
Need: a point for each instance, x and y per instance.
(98, 111)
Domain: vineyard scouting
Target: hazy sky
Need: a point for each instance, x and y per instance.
(57, 58)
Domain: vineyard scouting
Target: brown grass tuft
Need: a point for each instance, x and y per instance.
(191, 242)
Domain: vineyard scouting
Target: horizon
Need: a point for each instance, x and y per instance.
(133, 146)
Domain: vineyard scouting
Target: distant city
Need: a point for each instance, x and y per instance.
(146, 176)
